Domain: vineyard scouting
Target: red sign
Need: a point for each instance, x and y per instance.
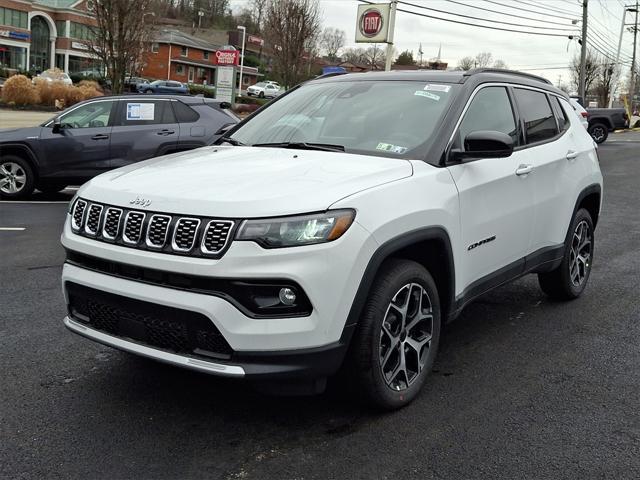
(371, 22)
(255, 40)
(227, 57)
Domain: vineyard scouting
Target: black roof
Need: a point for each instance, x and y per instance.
(477, 76)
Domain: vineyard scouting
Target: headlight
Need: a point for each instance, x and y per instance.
(298, 230)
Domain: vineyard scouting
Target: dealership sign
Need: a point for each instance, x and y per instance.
(227, 57)
(12, 34)
(373, 23)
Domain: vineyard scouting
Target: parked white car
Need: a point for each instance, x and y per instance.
(264, 90)
(339, 227)
(52, 75)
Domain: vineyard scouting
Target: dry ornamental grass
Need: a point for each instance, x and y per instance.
(19, 90)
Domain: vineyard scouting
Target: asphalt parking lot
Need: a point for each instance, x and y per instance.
(523, 387)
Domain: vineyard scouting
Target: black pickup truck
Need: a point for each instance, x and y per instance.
(605, 120)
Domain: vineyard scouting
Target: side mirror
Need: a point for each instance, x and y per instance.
(485, 144)
(225, 128)
(57, 125)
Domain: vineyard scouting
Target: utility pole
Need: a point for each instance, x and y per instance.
(632, 81)
(392, 27)
(583, 53)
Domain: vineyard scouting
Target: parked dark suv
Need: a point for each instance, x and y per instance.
(104, 133)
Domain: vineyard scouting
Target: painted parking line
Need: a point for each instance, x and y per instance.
(11, 229)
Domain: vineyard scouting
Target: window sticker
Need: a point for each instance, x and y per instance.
(141, 111)
(437, 88)
(432, 96)
(388, 147)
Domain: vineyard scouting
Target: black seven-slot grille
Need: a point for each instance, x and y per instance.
(168, 328)
(160, 232)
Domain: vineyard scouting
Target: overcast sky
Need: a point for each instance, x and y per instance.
(542, 55)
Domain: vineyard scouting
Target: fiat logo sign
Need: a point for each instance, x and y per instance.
(371, 22)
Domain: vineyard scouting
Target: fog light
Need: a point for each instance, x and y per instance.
(287, 296)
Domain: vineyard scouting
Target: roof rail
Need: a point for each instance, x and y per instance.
(475, 71)
(327, 75)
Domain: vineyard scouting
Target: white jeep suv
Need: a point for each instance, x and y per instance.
(339, 227)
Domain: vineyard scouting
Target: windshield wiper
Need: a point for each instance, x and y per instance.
(232, 141)
(303, 146)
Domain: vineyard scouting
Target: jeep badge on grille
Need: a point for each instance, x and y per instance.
(140, 201)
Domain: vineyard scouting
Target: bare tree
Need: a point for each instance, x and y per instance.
(592, 67)
(466, 63)
(603, 82)
(500, 64)
(483, 60)
(375, 57)
(123, 29)
(290, 27)
(354, 55)
(331, 41)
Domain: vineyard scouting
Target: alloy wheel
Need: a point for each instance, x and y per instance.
(406, 335)
(598, 133)
(580, 255)
(12, 178)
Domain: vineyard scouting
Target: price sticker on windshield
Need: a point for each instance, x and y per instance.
(141, 111)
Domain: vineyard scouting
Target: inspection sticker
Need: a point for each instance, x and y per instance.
(388, 147)
(141, 111)
(437, 88)
(432, 96)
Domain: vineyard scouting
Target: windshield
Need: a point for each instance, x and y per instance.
(384, 118)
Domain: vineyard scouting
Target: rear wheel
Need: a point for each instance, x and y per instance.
(599, 132)
(397, 337)
(569, 280)
(17, 179)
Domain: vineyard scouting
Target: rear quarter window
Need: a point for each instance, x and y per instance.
(539, 119)
(184, 113)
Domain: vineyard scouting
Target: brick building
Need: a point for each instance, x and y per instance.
(41, 34)
(176, 55)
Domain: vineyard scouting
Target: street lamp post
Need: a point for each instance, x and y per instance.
(244, 33)
(616, 78)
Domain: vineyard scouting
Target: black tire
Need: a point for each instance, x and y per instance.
(261, 95)
(11, 165)
(599, 132)
(370, 346)
(560, 284)
(51, 187)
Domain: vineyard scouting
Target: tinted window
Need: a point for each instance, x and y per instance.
(561, 115)
(490, 109)
(185, 114)
(146, 112)
(539, 120)
(174, 84)
(91, 115)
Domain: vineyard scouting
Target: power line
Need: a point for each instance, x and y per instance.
(486, 20)
(520, 9)
(506, 13)
(551, 9)
(475, 24)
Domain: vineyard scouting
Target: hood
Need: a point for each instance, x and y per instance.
(10, 134)
(244, 182)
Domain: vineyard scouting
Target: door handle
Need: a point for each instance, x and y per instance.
(166, 132)
(100, 136)
(524, 169)
(571, 155)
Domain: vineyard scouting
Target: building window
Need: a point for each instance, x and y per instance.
(13, 18)
(184, 52)
(179, 69)
(61, 27)
(13, 57)
(80, 31)
(155, 47)
(205, 55)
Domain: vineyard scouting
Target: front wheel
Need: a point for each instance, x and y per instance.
(569, 280)
(397, 337)
(17, 179)
(598, 132)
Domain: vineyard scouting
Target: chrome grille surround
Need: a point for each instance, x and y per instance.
(157, 230)
(111, 224)
(216, 236)
(77, 217)
(184, 234)
(94, 215)
(132, 231)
